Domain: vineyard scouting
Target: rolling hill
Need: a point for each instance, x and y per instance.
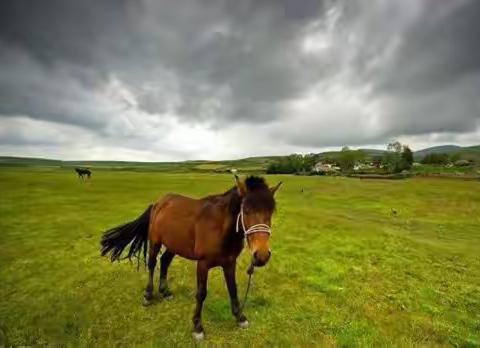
(245, 165)
(437, 149)
(467, 152)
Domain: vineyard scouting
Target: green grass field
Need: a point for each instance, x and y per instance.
(344, 270)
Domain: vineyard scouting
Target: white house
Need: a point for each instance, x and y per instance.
(325, 167)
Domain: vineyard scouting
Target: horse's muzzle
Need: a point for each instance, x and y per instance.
(260, 258)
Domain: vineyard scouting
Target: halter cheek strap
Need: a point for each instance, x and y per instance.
(252, 229)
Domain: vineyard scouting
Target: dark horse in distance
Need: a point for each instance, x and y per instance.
(210, 230)
(82, 172)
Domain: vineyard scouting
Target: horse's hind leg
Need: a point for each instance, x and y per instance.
(152, 262)
(165, 262)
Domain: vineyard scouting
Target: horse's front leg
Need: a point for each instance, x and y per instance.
(230, 279)
(202, 278)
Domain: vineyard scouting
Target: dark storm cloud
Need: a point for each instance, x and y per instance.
(438, 50)
(241, 51)
(433, 82)
(361, 71)
(417, 62)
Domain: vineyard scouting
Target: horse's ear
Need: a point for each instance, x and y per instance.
(275, 188)
(242, 189)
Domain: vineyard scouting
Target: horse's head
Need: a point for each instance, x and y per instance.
(258, 205)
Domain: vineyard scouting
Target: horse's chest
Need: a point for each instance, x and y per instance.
(233, 244)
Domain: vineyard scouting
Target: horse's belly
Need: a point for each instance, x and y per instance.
(172, 226)
(180, 242)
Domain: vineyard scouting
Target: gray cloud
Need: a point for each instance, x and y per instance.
(439, 49)
(308, 74)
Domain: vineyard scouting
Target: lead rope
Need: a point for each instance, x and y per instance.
(250, 273)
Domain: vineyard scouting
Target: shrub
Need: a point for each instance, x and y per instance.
(436, 158)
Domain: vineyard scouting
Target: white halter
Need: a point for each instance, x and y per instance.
(252, 229)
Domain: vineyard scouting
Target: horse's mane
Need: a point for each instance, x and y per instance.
(259, 196)
(234, 200)
(255, 183)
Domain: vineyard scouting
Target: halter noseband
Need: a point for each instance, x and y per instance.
(252, 229)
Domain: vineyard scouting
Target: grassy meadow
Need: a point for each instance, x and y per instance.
(344, 271)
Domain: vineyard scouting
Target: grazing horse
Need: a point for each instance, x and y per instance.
(210, 230)
(83, 171)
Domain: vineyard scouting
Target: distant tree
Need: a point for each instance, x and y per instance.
(390, 161)
(436, 158)
(295, 163)
(394, 147)
(407, 157)
(309, 161)
(377, 161)
(454, 157)
(330, 160)
(398, 157)
(348, 158)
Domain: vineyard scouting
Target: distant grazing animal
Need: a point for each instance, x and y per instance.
(210, 230)
(82, 172)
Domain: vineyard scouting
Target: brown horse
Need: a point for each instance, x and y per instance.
(210, 230)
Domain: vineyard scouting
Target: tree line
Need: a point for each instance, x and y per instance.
(397, 158)
(294, 164)
(444, 158)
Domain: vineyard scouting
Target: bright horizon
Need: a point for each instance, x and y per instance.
(219, 160)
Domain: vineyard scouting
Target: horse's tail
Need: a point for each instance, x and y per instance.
(135, 233)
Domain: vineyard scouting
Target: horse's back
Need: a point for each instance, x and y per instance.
(172, 223)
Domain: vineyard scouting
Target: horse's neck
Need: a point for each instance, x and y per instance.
(234, 203)
(233, 241)
(229, 203)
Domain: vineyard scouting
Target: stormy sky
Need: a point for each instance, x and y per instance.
(199, 79)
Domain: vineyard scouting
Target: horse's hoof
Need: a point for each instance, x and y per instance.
(146, 302)
(198, 336)
(166, 294)
(243, 324)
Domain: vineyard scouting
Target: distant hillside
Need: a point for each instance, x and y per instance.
(475, 148)
(370, 153)
(373, 152)
(468, 152)
(436, 149)
(28, 161)
(245, 165)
